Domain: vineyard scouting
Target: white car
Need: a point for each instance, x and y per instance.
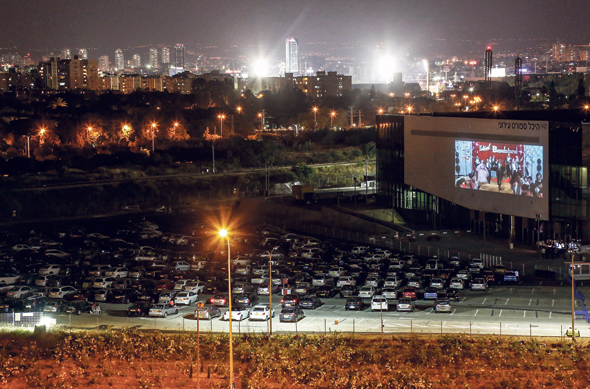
(194, 286)
(392, 282)
(19, 292)
(476, 262)
(359, 250)
(379, 303)
(347, 280)
(261, 312)
(180, 284)
(372, 281)
(405, 305)
(397, 264)
(456, 283)
(118, 272)
(8, 279)
(56, 253)
(49, 270)
(367, 292)
(186, 298)
(61, 292)
(103, 282)
(264, 289)
(98, 270)
(389, 293)
(237, 313)
(22, 247)
(337, 272)
(42, 280)
(150, 234)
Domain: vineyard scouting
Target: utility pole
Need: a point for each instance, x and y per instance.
(360, 119)
(351, 117)
(213, 151)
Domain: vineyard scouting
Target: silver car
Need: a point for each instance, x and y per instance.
(163, 310)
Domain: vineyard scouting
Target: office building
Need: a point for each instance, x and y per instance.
(153, 58)
(103, 63)
(179, 56)
(292, 56)
(82, 53)
(165, 54)
(119, 60)
(66, 54)
(519, 175)
(136, 62)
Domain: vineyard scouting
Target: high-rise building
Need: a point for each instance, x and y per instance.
(165, 54)
(70, 73)
(179, 56)
(66, 54)
(292, 56)
(153, 57)
(136, 61)
(119, 60)
(103, 63)
(82, 53)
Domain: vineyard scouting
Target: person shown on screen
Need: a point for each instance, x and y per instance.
(515, 183)
(482, 174)
(539, 186)
(489, 168)
(499, 174)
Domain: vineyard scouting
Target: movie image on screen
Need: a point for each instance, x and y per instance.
(500, 167)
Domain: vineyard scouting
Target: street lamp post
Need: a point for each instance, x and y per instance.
(332, 114)
(223, 234)
(153, 131)
(315, 116)
(270, 287)
(221, 117)
(28, 146)
(366, 180)
(88, 129)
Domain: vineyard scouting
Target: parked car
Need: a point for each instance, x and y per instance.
(355, 303)
(139, 308)
(291, 314)
(117, 272)
(379, 303)
(19, 292)
(389, 293)
(186, 298)
(219, 300)
(50, 270)
(163, 310)
(246, 300)
(326, 291)
(34, 303)
(124, 296)
(61, 292)
(207, 312)
(261, 312)
(511, 276)
(479, 284)
(442, 305)
(76, 307)
(430, 293)
(348, 291)
(405, 305)
(103, 282)
(290, 300)
(237, 313)
(310, 302)
(103, 295)
(409, 292)
(456, 283)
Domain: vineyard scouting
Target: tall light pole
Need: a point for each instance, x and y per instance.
(28, 146)
(221, 117)
(315, 116)
(366, 179)
(332, 114)
(88, 129)
(153, 131)
(270, 287)
(223, 234)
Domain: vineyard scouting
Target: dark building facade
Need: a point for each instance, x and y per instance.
(432, 169)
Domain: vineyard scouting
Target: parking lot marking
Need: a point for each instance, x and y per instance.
(484, 301)
(550, 314)
(462, 300)
(552, 303)
(477, 310)
(524, 314)
(530, 301)
(500, 314)
(506, 303)
(454, 310)
(429, 312)
(533, 291)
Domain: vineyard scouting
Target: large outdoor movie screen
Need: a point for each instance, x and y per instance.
(500, 167)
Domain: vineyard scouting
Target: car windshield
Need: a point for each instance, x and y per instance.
(54, 290)
(287, 311)
(259, 309)
(158, 307)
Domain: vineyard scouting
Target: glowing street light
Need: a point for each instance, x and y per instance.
(380, 111)
(332, 114)
(261, 116)
(315, 115)
(221, 117)
(88, 129)
(409, 109)
(153, 132)
(223, 234)
(239, 109)
(496, 108)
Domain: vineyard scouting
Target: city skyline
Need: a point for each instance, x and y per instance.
(263, 25)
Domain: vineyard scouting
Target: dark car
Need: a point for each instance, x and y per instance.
(246, 300)
(354, 303)
(54, 306)
(326, 291)
(125, 296)
(140, 308)
(219, 300)
(348, 291)
(81, 295)
(310, 302)
(10, 305)
(76, 307)
(290, 300)
(34, 303)
(293, 314)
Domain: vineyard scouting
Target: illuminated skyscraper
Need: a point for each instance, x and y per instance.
(119, 60)
(165, 55)
(66, 54)
(136, 61)
(179, 56)
(292, 56)
(82, 53)
(103, 63)
(153, 57)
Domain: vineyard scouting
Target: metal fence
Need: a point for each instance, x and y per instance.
(21, 319)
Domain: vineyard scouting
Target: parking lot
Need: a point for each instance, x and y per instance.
(524, 307)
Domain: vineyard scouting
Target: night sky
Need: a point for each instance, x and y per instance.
(110, 24)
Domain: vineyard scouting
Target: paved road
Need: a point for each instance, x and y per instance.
(533, 309)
